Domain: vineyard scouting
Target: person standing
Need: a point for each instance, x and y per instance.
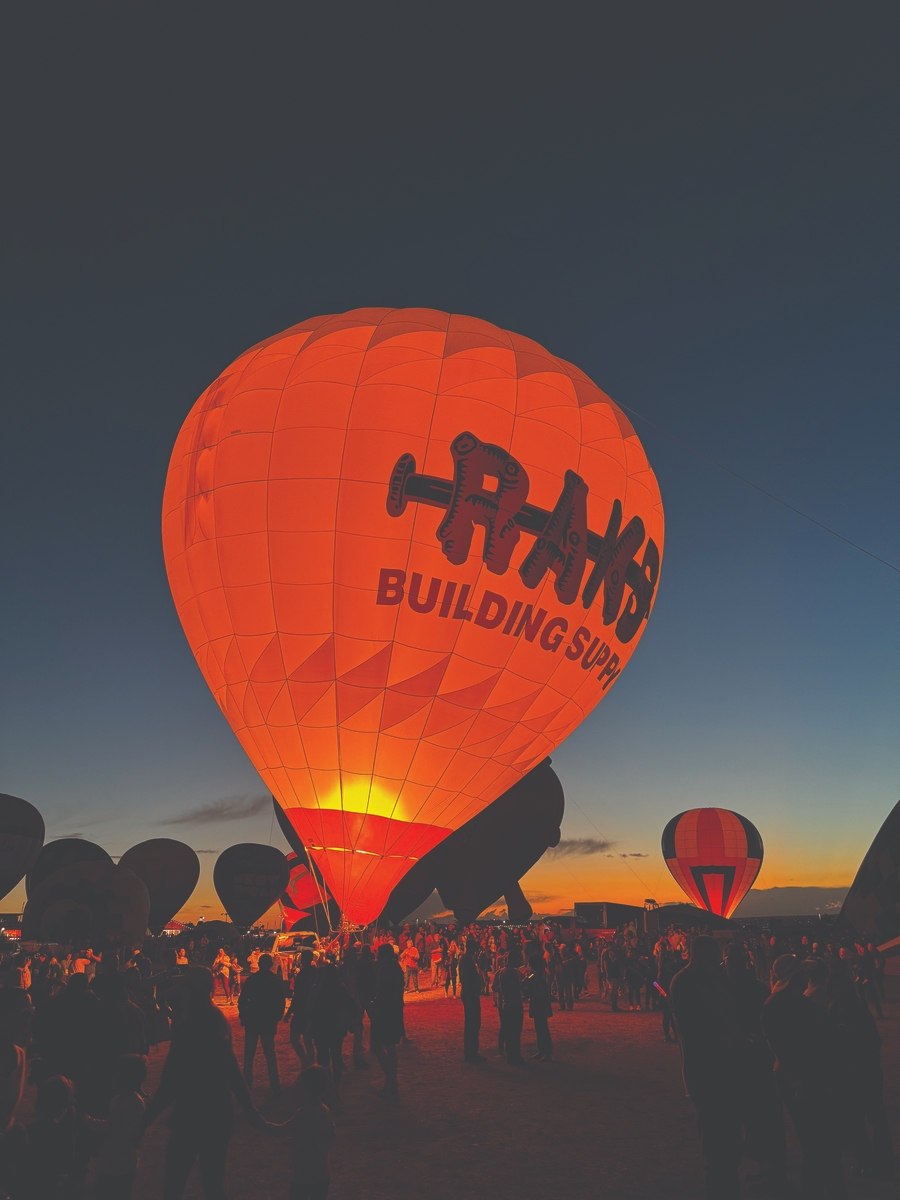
(198, 1080)
(512, 1008)
(801, 1038)
(297, 1013)
(470, 993)
(386, 1016)
(709, 1034)
(409, 961)
(260, 1008)
(331, 1013)
(540, 1006)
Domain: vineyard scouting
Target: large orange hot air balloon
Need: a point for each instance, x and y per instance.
(410, 551)
(714, 855)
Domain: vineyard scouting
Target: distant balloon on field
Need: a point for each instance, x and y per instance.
(714, 855)
(248, 879)
(872, 906)
(170, 870)
(63, 852)
(21, 838)
(411, 551)
(87, 903)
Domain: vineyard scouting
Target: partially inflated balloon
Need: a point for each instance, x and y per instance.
(248, 879)
(64, 852)
(170, 871)
(87, 901)
(21, 838)
(485, 858)
(410, 551)
(714, 855)
(872, 906)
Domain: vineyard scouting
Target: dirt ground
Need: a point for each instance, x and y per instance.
(607, 1118)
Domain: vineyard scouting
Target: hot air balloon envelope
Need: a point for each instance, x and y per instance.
(87, 901)
(21, 838)
(63, 852)
(714, 855)
(872, 906)
(170, 871)
(248, 879)
(410, 551)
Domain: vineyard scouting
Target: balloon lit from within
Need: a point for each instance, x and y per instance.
(410, 552)
(714, 855)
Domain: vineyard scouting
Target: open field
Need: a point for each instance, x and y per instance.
(608, 1118)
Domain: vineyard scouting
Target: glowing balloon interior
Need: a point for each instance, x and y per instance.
(714, 855)
(410, 551)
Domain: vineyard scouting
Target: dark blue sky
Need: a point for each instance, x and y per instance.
(696, 204)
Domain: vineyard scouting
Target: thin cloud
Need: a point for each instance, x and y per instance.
(634, 855)
(540, 899)
(578, 848)
(229, 808)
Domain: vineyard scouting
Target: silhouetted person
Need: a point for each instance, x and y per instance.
(512, 1009)
(540, 1007)
(298, 1012)
(759, 1099)
(198, 1079)
(15, 1024)
(386, 1016)
(120, 1026)
(350, 974)
(861, 1090)
(118, 1159)
(566, 979)
(260, 1008)
(365, 978)
(667, 968)
(802, 1041)
(330, 1016)
(709, 1033)
(57, 1140)
(66, 1033)
(470, 993)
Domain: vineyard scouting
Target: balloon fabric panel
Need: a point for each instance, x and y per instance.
(410, 551)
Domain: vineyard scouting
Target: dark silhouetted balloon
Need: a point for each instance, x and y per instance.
(64, 852)
(249, 878)
(170, 871)
(87, 903)
(21, 838)
(714, 855)
(872, 906)
(485, 858)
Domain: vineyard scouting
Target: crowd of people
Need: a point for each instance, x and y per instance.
(784, 1024)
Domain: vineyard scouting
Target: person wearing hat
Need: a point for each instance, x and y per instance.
(710, 1038)
(800, 1037)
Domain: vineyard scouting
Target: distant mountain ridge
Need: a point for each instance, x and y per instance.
(791, 901)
